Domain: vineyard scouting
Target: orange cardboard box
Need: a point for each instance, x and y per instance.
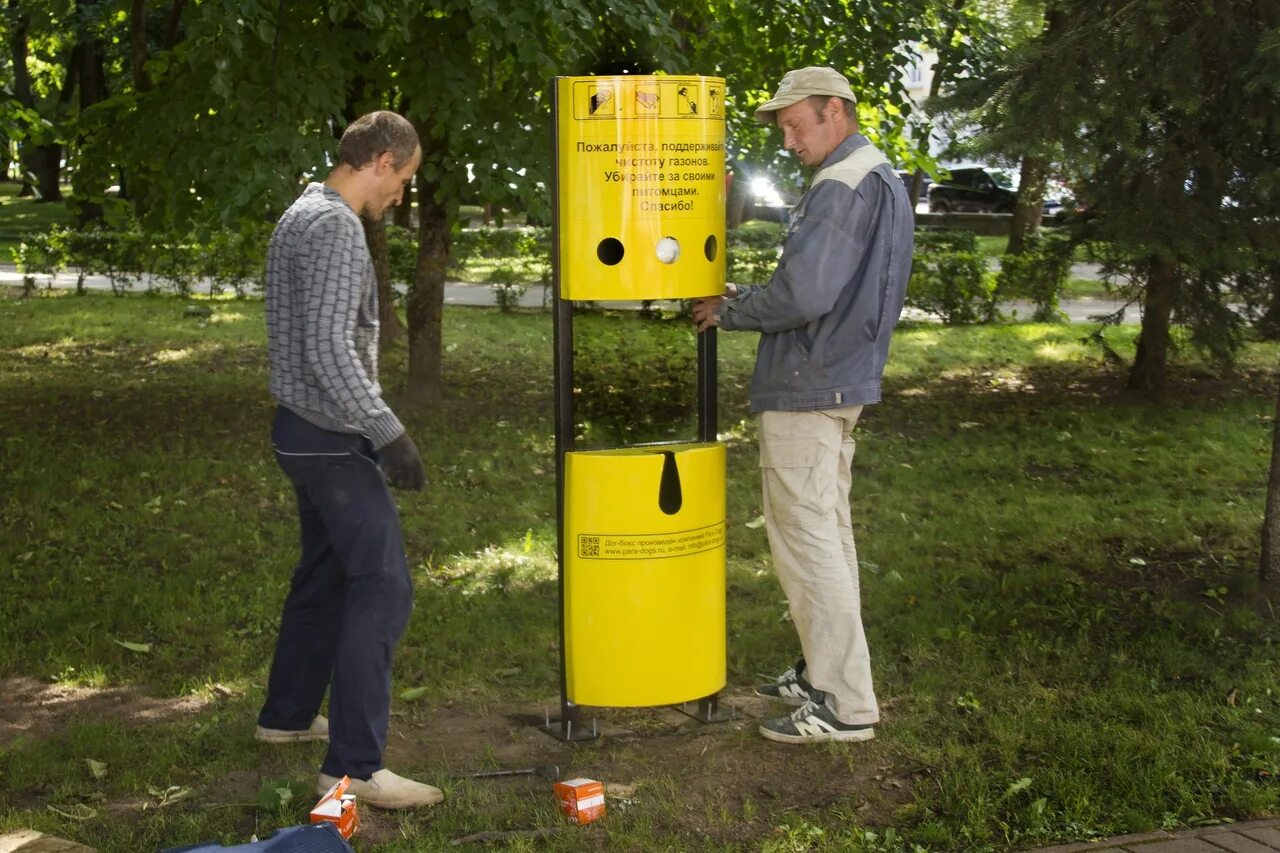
(339, 808)
(581, 800)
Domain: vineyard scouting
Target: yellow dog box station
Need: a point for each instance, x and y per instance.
(639, 215)
(644, 601)
(641, 187)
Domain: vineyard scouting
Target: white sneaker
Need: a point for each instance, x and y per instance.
(319, 730)
(386, 790)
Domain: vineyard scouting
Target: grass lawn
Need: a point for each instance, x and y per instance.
(1058, 586)
(22, 216)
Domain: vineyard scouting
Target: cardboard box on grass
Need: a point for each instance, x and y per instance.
(581, 800)
(339, 808)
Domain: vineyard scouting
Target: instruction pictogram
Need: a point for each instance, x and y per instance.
(647, 101)
(686, 105)
(601, 101)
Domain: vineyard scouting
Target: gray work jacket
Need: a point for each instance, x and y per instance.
(830, 307)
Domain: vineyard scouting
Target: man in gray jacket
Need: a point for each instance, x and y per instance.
(826, 317)
(340, 445)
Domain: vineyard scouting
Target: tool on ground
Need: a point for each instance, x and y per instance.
(550, 772)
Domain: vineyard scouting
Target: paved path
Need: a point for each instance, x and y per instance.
(1258, 836)
(459, 293)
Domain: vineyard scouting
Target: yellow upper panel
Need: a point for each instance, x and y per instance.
(641, 187)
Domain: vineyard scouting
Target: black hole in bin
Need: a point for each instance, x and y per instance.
(670, 497)
(711, 247)
(609, 251)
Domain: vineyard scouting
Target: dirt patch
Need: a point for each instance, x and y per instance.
(36, 709)
(718, 782)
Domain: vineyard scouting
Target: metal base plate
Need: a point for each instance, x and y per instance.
(707, 711)
(570, 730)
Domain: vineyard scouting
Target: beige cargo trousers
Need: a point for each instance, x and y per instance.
(806, 461)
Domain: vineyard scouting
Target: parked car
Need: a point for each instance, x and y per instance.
(973, 189)
(909, 179)
(981, 189)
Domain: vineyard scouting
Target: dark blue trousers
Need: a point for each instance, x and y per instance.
(349, 601)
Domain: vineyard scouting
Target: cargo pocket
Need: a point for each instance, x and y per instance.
(788, 469)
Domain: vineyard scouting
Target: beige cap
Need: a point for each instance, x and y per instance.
(802, 83)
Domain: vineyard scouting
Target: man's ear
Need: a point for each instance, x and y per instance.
(384, 161)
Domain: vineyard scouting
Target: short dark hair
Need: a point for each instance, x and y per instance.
(369, 136)
(819, 103)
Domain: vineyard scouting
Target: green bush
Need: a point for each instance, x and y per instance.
(402, 252)
(236, 260)
(34, 256)
(227, 259)
(1039, 274)
(758, 235)
(173, 261)
(635, 379)
(489, 242)
(508, 285)
(753, 252)
(949, 278)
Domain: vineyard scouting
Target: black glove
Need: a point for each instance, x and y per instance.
(402, 464)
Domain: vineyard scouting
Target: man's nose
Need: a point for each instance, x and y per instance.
(788, 140)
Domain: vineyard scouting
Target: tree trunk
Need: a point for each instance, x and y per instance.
(42, 161)
(91, 78)
(21, 85)
(425, 307)
(174, 25)
(1149, 365)
(736, 193)
(46, 165)
(138, 45)
(1029, 209)
(391, 329)
(1269, 565)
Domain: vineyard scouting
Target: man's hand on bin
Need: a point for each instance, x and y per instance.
(704, 310)
(402, 464)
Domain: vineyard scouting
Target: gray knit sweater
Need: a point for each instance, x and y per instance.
(322, 319)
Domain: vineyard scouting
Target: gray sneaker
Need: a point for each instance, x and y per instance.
(318, 731)
(813, 722)
(790, 687)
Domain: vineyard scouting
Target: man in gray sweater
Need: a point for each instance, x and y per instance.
(340, 445)
(825, 317)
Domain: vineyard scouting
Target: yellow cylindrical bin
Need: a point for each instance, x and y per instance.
(641, 187)
(644, 560)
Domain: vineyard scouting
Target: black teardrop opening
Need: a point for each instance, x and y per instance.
(670, 497)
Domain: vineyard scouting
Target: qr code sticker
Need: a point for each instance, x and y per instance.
(588, 546)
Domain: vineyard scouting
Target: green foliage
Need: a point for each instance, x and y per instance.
(1161, 117)
(753, 252)
(1259, 289)
(508, 287)
(36, 256)
(634, 378)
(235, 260)
(228, 260)
(949, 278)
(1038, 274)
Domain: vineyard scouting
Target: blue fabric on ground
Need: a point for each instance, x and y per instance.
(313, 838)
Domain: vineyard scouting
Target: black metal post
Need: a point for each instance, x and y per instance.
(570, 724)
(708, 379)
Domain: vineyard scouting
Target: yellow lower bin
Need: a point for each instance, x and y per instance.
(644, 574)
